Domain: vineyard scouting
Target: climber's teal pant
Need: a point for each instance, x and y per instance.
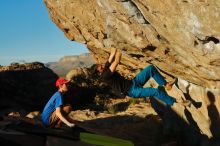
(137, 90)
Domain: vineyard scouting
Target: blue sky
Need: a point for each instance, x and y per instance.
(27, 33)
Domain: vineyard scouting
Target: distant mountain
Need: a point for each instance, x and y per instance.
(66, 63)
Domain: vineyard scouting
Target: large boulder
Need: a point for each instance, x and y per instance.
(180, 37)
(26, 87)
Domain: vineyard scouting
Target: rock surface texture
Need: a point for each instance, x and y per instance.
(179, 37)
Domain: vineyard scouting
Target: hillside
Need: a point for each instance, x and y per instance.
(66, 63)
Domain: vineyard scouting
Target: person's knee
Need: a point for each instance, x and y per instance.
(67, 108)
(151, 67)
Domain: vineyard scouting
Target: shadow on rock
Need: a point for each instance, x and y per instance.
(185, 134)
(26, 86)
(188, 97)
(141, 131)
(214, 116)
(78, 96)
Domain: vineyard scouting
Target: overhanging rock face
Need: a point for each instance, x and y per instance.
(180, 37)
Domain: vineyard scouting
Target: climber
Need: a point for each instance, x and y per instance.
(55, 112)
(134, 88)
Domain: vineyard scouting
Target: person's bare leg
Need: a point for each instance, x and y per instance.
(170, 84)
(56, 122)
(66, 111)
(59, 124)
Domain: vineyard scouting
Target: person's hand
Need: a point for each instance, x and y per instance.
(71, 125)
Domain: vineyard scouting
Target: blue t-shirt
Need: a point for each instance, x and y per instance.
(54, 102)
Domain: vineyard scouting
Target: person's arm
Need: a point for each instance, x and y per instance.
(62, 118)
(112, 55)
(116, 61)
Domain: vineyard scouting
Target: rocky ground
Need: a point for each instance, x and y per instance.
(138, 123)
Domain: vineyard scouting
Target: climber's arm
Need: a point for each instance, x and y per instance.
(112, 55)
(116, 61)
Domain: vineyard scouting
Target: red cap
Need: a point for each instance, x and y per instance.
(61, 81)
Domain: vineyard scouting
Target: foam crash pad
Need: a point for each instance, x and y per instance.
(56, 137)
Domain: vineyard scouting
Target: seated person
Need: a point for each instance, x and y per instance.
(55, 113)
